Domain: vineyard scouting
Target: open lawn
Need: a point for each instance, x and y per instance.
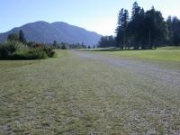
(163, 54)
(91, 93)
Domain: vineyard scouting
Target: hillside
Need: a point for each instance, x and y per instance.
(48, 32)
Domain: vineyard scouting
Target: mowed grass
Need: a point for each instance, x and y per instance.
(163, 54)
(70, 95)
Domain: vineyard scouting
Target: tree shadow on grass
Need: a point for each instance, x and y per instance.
(106, 49)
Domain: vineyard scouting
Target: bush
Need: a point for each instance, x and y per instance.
(15, 50)
(7, 49)
(48, 50)
(34, 53)
(29, 54)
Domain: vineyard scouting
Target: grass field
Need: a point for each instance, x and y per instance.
(163, 54)
(84, 93)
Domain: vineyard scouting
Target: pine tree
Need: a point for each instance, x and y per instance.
(145, 30)
(55, 44)
(176, 31)
(121, 30)
(22, 37)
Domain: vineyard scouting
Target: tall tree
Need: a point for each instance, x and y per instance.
(135, 11)
(121, 29)
(107, 41)
(55, 44)
(175, 31)
(169, 26)
(22, 37)
(156, 28)
(145, 30)
(136, 24)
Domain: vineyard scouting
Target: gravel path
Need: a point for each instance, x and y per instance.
(151, 71)
(154, 82)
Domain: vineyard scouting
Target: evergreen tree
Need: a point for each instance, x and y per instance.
(136, 30)
(176, 31)
(107, 41)
(22, 37)
(170, 32)
(55, 44)
(145, 30)
(156, 28)
(121, 30)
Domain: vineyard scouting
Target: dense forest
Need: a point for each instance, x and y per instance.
(143, 30)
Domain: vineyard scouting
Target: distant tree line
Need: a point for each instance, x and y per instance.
(143, 30)
(64, 45)
(173, 24)
(107, 41)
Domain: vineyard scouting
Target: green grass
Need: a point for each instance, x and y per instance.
(169, 48)
(70, 95)
(163, 54)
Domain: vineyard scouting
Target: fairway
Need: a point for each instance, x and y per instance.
(82, 92)
(161, 54)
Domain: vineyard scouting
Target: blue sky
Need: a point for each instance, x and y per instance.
(94, 15)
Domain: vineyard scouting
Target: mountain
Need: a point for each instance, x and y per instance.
(61, 32)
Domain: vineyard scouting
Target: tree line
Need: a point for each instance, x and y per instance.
(107, 41)
(143, 30)
(20, 36)
(64, 45)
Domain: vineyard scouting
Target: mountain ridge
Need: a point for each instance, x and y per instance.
(41, 31)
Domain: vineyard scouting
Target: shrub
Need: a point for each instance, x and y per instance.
(7, 49)
(38, 45)
(48, 50)
(16, 50)
(29, 54)
(30, 43)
